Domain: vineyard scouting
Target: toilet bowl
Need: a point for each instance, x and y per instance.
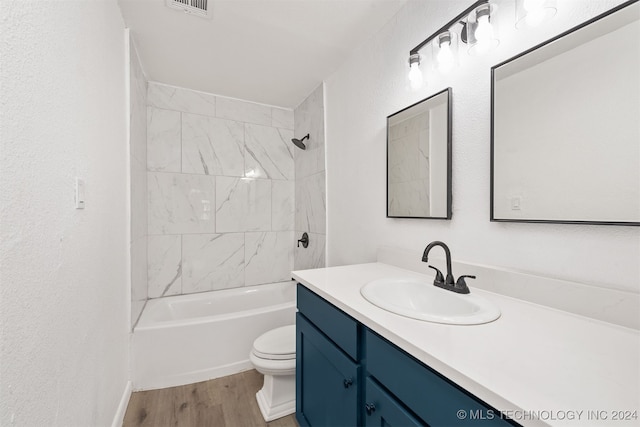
(274, 356)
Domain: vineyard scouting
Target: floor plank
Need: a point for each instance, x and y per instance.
(223, 402)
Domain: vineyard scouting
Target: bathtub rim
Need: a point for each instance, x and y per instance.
(148, 325)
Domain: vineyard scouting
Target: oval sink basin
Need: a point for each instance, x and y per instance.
(423, 301)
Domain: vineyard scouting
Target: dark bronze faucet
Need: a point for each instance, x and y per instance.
(440, 281)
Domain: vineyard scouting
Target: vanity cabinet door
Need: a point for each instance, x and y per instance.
(326, 380)
(434, 399)
(382, 410)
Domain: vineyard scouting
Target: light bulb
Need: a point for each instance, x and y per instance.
(535, 17)
(415, 76)
(445, 57)
(535, 12)
(532, 5)
(484, 30)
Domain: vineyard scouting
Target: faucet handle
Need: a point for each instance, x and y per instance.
(461, 284)
(439, 277)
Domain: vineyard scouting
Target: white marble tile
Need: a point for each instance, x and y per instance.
(311, 204)
(242, 204)
(243, 111)
(309, 119)
(268, 257)
(269, 152)
(163, 140)
(309, 162)
(313, 256)
(410, 198)
(283, 207)
(180, 204)
(179, 99)
(404, 159)
(212, 146)
(139, 269)
(282, 118)
(212, 262)
(164, 269)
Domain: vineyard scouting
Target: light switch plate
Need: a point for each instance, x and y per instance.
(79, 193)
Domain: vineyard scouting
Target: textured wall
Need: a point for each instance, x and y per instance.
(220, 192)
(311, 206)
(138, 166)
(64, 294)
(372, 84)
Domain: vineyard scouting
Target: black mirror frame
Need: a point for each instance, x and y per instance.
(449, 92)
(492, 154)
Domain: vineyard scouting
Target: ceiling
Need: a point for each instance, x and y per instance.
(270, 51)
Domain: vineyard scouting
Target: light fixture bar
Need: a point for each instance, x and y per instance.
(448, 25)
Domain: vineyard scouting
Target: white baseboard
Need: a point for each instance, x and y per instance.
(118, 418)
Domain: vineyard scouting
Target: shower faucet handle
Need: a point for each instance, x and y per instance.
(304, 240)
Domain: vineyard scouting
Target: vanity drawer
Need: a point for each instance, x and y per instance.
(335, 324)
(383, 410)
(430, 396)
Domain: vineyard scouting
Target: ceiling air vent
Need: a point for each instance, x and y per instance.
(193, 7)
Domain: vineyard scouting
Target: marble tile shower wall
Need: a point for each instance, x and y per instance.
(220, 192)
(408, 173)
(310, 192)
(138, 166)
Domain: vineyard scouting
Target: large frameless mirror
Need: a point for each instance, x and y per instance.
(419, 159)
(565, 138)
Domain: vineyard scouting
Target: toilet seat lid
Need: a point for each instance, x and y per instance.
(276, 344)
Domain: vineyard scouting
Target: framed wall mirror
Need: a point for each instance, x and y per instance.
(565, 131)
(419, 159)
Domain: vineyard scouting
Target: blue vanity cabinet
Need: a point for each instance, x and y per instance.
(327, 368)
(431, 397)
(348, 376)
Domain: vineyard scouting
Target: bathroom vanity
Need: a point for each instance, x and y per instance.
(359, 365)
(366, 380)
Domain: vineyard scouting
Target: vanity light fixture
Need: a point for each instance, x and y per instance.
(477, 29)
(531, 13)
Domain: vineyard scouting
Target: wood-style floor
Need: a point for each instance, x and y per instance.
(223, 402)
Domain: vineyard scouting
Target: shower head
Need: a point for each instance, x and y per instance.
(298, 142)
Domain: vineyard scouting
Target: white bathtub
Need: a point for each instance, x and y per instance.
(189, 338)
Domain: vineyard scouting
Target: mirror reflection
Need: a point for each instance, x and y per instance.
(419, 159)
(565, 130)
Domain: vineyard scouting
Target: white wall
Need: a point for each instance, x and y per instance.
(372, 84)
(138, 169)
(64, 296)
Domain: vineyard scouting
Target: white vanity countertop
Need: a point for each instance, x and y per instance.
(540, 366)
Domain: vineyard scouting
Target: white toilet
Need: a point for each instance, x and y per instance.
(274, 356)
